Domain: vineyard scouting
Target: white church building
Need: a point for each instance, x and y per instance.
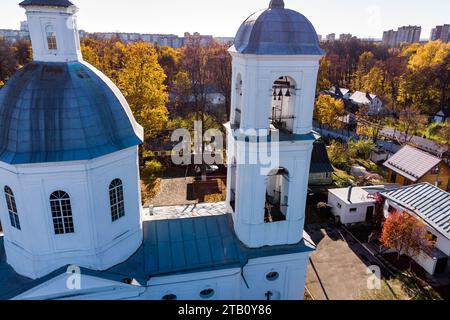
(73, 224)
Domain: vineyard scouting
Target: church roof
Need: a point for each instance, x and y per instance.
(277, 31)
(179, 240)
(194, 244)
(51, 3)
(51, 112)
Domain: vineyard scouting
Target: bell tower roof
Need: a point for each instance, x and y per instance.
(277, 31)
(47, 3)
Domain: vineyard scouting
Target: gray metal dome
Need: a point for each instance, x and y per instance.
(52, 112)
(277, 31)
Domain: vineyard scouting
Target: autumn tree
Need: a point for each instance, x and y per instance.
(219, 63)
(324, 78)
(181, 93)
(141, 80)
(365, 64)
(107, 55)
(8, 63)
(425, 85)
(328, 111)
(405, 234)
(170, 60)
(369, 125)
(22, 51)
(361, 148)
(410, 122)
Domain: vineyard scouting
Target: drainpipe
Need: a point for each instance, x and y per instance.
(349, 196)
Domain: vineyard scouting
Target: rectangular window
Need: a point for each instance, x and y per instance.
(353, 209)
(339, 206)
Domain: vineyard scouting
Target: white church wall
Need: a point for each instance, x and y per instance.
(251, 197)
(97, 243)
(289, 285)
(225, 283)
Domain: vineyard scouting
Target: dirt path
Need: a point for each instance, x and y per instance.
(336, 272)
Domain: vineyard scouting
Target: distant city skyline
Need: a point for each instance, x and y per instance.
(364, 19)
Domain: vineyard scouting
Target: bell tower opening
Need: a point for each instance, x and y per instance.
(277, 195)
(283, 103)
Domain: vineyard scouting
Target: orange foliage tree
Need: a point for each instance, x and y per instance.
(405, 234)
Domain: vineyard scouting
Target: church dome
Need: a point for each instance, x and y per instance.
(51, 112)
(277, 31)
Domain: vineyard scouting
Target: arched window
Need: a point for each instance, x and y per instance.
(116, 199)
(51, 38)
(12, 208)
(61, 212)
(277, 195)
(283, 104)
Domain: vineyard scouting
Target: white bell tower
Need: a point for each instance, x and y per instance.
(275, 65)
(53, 30)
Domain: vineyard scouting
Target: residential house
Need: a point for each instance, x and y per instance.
(342, 93)
(421, 143)
(442, 116)
(411, 165)
(354, 204)
(213, 96)
(321, 170)
(430, 205)
(374, 103)
(379, 154)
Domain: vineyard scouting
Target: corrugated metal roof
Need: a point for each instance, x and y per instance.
(426, 201)
(419, 142)
(412, 163)
(52, 3)
(198, 244)
(277, 31)
(171, 246)
(52, 112)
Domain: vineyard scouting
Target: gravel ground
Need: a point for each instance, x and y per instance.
(172, 192)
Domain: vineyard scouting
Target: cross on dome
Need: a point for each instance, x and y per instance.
(276, 4)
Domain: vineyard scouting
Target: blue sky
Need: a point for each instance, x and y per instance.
(364, 18)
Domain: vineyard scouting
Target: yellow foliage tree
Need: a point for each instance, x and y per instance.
(430, 55)
(323, 80)
(328, 111)
(142, 82)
